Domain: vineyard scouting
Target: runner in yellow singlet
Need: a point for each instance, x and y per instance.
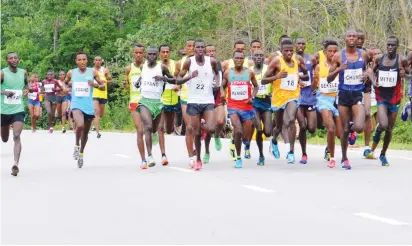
(100, 96)
(133, 72)
(283, 73)
(238, 46)
(277, 53)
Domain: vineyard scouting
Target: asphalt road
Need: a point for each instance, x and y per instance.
(111, 201)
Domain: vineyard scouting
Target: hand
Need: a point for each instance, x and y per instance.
(30, 90)
(25, 93)
(91, 83)
(9, 93)
(194, 74)
(313, 92)
(343, 66)
(302, 84)
(402, 73)
(283, 74)
(223, 96)
(364, 77)
(249, 101)
(158, 78)
(175, 88)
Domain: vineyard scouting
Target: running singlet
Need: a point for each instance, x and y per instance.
(50, 86)
(306, 95)
(35, 94)
(389, 83)
(81, 91)
(99, 93)
(286, 89)
(151, 88)
(170, 96)
(184, 91)
(322, 57)
(201, 87)
(41, 96)
(12, 82)
(240, 90)
(134, 85)
(350, 78)
(264, 90)
(326, 88)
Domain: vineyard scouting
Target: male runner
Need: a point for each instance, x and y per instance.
(170, 101)
(81, 81)
(100, 96)
(326, 98)
(350, 64)
(133, 73)
(388, 72)
(152, 83)
(239, 81)
(219, 108)
(50, 87)
(306, 114)
(13, 82)
(180, 127)
(283, 73)
(239, 45)
(261, 104)
(203, 72)
(277, 53)
(254, 45)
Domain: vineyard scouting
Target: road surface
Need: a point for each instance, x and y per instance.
(111, 201)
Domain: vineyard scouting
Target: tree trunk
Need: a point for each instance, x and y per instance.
(407, 29)
(262, 22)
(56, 33)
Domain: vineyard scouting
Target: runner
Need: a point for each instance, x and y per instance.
(261, 105)
(33, 100)
(239, 45)
(203, 72)
(82, 110)
(183, 101)
(350, 65)
(170, 101)
(285, 97)
(133, 74)
(219, 111)
(100, 96)
(326, 98)
(152, 82)
(60, 97)
(50, 87)
(239, 81)
(254, 45)
(388, 71)
(277, 53)
(13, 82)
(306, 114)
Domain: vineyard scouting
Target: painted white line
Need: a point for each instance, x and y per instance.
(257, 188)
(185, 170)
(381, 219)
(123, 156)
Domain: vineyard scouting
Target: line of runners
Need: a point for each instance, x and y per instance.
(340, 90)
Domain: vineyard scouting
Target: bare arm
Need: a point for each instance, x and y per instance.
(316, 78)
(303, 68)
(2, 76)
(336, 67)
(254, 83)
(108, 76)
(372, 72)
(225, 65)
(68, 79)
(216, 78)
(224, 85)
(270, 76)
(126, 83)
(180, 80)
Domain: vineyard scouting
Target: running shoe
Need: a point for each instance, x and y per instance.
(143, 165)
(151, 161)
(345, 164)
(238, 163)
(247, 152)
(327, 154)
(384, 161)
(155, 139)
(261, 161)
(331, 164)
(290, 157)
(275, 150)
(164, 161)
(76, 152)
(218, 144)
(352, 135)
(206, 158)
(99, 135)
(14, 170)
(368, 154)
(198, 165)
(80, 161)
(51, 130)
(304, 159)
(63, 130)
(191, 163)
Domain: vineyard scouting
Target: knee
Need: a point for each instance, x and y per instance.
(148, 128)
(220, 123)
(190, 130)
(238, 132)
(16, 137)
(358, 128)
(331, 127)
(267, 132)
(79, 126)
(312, 129)
(210, 129)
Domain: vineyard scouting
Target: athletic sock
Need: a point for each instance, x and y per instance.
(163, 155)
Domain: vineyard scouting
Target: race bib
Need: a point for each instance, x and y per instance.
(48, 88)
(290, 83)
(81, 89)
(198, 86)
(307, 83)
(32, 95)
(352, 76)
(238, 92)
(135, 83)
(15, 99)
(263, 90)
(326, 87)
(151, 85)
(387, 78)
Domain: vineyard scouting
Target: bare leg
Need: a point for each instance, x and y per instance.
(139, 129)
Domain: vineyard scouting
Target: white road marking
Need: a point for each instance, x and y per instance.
(185, 170)
(257, 188)
(381, 219)
(123, 156)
